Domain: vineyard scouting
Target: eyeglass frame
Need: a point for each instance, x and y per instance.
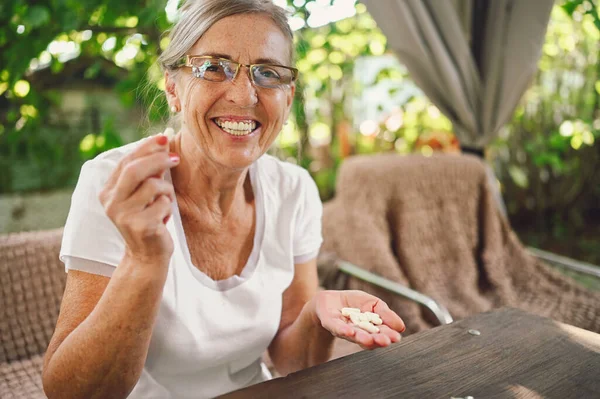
(186, 62)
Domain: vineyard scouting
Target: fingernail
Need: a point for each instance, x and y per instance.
(166, 219)
(174, 158)
(162, 139)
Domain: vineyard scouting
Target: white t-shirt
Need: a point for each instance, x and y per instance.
(209, 335)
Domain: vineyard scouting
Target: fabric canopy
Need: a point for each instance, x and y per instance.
(477, 90)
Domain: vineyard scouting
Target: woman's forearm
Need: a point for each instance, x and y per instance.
(302, 344)
(104, 356)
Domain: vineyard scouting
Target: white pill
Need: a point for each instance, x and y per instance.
(355, 317)
(365, 325)
(365, 317)
(371, 316)
(346, 311)
(169, 132)
(374, 318)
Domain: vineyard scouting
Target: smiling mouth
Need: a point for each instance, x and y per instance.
(237, 128)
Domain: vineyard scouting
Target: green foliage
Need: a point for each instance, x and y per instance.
(577, 8)
(86, 27)
(325, 58)
(548, 158)
(94, 144)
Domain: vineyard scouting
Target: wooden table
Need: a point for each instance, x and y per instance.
(516, 355)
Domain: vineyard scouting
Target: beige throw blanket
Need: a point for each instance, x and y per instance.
(432, 224)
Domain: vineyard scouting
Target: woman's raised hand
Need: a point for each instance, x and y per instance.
(138, 200)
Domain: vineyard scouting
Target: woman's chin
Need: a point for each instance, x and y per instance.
(237, 161)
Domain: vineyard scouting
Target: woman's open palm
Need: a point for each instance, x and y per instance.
(329, 306)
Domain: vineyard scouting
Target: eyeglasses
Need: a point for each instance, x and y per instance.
(216, 69)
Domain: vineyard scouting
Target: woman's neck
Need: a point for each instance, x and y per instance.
(206, 185)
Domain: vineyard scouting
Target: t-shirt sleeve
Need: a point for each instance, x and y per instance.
(307, 236)
(88, 266)
(89, 234)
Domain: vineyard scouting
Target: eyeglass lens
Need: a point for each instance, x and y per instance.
(220, 70)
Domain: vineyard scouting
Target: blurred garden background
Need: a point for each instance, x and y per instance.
(79, 77)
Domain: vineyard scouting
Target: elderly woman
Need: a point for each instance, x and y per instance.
(188, 258)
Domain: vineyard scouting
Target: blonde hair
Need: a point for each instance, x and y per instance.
(197, 16)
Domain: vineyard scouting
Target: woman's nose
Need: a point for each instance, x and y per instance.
(241, 91)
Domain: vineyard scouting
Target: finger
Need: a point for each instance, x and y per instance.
(154, 144)
(367, 340)
(338, 328)
(363, 338)
(140, 169)
(148, 192)
(388, 316)
(159, 211)
(393, 335)
(382, 339)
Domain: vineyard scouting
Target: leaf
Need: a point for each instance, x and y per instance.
(92, 71)
(518, 176)
(56, 66)
(71, 21)
(113, 140)
(558, 142)
(594, 13)
(570, 6)
(37, 16)
(87, 147)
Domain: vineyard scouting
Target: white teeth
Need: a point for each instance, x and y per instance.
(236, 128)
(237, 132)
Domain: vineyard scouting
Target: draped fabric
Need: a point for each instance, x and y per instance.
(474, 59)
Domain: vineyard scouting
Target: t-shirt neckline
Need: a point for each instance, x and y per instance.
(253, 259)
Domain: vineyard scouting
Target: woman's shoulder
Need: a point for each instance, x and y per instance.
(282, 174)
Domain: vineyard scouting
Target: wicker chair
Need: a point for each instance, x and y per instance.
(32, 282)
(403, 226)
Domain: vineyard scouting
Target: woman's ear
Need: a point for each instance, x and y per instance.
(291, 94)
(290, 99)
(170, 91)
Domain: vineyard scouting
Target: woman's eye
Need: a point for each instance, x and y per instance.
(213, 68)
(269, 74)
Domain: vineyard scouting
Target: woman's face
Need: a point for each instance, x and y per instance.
(210, 109)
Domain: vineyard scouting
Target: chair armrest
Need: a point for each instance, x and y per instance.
(439, 311)
(581, 267)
